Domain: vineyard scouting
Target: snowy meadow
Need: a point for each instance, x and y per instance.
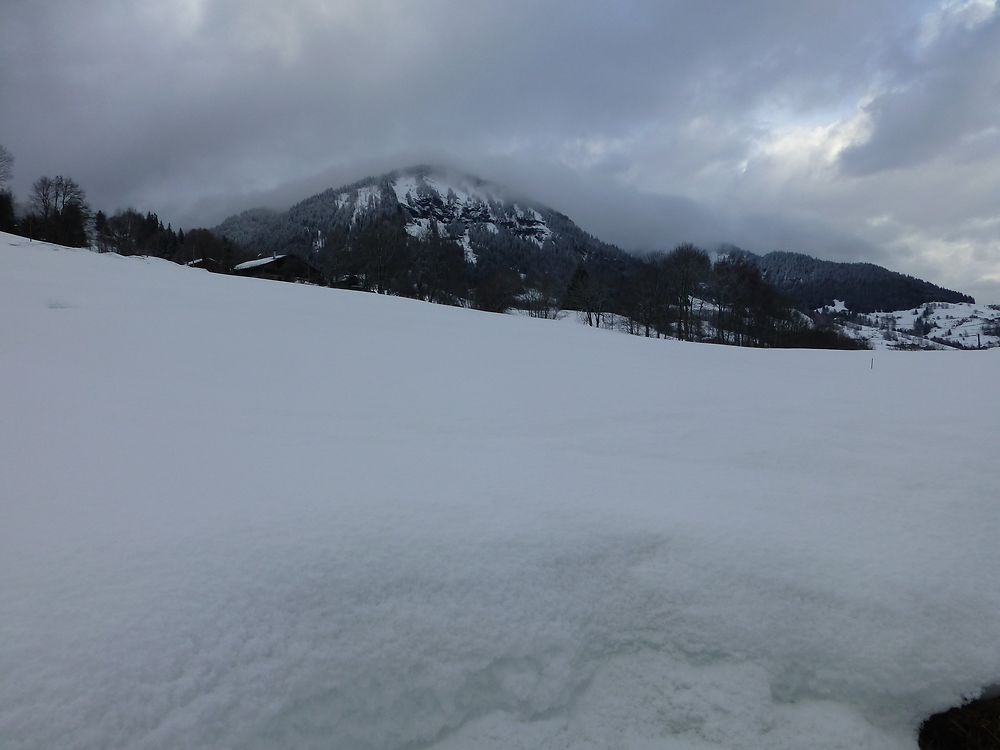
(245, 514)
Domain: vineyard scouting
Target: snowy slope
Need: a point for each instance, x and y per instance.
(247, 514)
(932, 325)
(883, 338)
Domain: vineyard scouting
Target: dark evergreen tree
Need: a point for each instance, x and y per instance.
(495, 289)
(438, 268)
(102, 232)
(8, 220)
(69, 226)
(201, 244)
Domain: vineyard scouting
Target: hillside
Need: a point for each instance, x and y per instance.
(933, 325)
(243, 513)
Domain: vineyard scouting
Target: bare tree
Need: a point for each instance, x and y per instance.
(60, 211)
(6, 166)
(43, 197)
(51, 196)
(688, 269)
(68, 193)
(647, 296)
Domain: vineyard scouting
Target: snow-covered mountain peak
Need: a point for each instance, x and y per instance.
(449, 198)
(447, 183)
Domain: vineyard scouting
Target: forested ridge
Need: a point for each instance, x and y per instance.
(812, 283)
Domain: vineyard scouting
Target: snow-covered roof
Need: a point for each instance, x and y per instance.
(257, 263)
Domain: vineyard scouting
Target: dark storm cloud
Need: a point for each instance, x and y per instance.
(776, 123)
(149, 90)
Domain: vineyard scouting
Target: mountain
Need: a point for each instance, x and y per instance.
(811, 283)
(491, 225)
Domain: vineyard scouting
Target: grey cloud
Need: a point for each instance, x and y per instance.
(144, 98)
(632, 117)
(954, 94)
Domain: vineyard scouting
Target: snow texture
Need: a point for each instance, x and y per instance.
(366, 200)
(455, 198)
(245, 514)
(419, 228)
(405, 187)
(466, 243)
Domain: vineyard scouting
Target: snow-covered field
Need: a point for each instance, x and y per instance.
(245, 514)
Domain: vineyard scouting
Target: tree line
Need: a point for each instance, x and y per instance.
(57, 211)
(683, 294)
(679, 293)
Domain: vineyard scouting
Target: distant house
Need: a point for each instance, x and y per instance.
(281, 268)
(209, 264)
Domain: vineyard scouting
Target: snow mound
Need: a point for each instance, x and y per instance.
(241, 513)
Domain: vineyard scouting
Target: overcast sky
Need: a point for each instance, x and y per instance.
(852, 130)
